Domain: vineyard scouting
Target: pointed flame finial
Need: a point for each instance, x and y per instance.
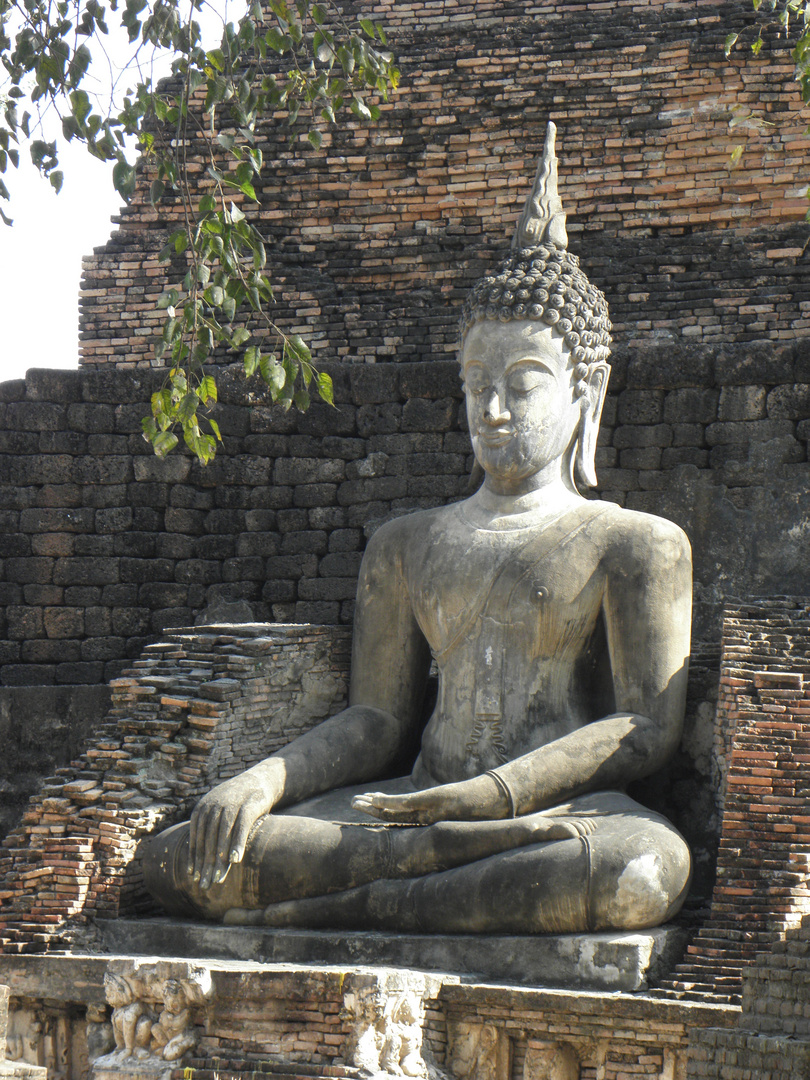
(543, 217)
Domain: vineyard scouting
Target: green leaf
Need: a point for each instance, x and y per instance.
(298, 348)
(216, 59)
(729, 43)
(124, 179)
(367, 26)
(359, 108)
(215, 429)
(315, 138)
(301, 400)
(56, 178)
(251, 360)
(188, 406)
(208, 389)
(273, 374)
(163, 443)
(323, 382)
(168, 299)
(735, 156)
(156, 191)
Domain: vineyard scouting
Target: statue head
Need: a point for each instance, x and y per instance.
(541, 296)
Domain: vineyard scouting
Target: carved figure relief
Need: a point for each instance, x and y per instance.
(387, 1032)
(478, 1052)
(152, 1021)
(552, 1061)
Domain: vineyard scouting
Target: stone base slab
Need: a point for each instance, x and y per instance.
(625, 962)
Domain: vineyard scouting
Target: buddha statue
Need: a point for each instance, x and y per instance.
(560, 629)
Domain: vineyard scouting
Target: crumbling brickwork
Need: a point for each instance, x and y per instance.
(763, 730)
(772, 1036)
(197, 708)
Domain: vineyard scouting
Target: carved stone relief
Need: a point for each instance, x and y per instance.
(478, 1051)
(153, 1023)
(551, 1061)
(387, 1018)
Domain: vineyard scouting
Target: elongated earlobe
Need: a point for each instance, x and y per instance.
(592, 401)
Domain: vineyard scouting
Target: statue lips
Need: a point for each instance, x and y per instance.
(495, 438)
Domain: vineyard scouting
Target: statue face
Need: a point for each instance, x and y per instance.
(520, 402)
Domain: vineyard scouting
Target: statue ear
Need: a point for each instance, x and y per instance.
(592, 401)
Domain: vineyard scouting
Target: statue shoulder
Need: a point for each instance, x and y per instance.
(643, 542)
(397, 537)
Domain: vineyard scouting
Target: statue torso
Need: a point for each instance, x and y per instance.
(513, 619)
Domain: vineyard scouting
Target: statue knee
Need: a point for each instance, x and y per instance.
(646, 889)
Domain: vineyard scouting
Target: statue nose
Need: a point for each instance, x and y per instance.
(495, 411)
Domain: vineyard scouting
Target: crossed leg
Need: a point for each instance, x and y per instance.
(600, 862)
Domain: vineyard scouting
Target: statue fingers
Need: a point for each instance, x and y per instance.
(200, 824)
(207, 847)
(224, 843)
(396, 808)
(232, 845)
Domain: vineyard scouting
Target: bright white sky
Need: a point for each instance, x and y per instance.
(41, 254)
(41, 262)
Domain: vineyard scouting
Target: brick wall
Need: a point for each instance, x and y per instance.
(196, 709)
(763, 734)
(772, 1036)
(375, 238)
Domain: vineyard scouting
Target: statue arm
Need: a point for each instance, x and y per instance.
(647, 608)
(390, 660)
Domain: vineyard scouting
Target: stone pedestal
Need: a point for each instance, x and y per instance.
(608, 962)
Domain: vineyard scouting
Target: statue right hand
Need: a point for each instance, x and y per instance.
(221, 824)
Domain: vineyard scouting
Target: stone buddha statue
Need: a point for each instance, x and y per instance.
(560, 630)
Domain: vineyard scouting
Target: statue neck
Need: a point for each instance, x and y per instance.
(492, 509)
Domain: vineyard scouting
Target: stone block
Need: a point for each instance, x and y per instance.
(382, 419)
(641, 407)
(64, 622)
(308, 471)
(665, 367)
(691, 405)
(789, 402)
(86, 571)
(30, 570)
(333, 588)
(346, 540)
(753, 363)
(91, 418)
(55, 520)
(635, 436)
(321, 420)
(430, 379)
(258, 544)
(421, 415)
(377, 488)
(373, 384)
(304, 543)
(107, 647)
(605, 961)
(315, 495)
(56, 651)
(35, 416)
(23, 622)
(326, 517)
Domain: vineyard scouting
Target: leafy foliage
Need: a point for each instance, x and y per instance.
(786, 18)
(291, 57)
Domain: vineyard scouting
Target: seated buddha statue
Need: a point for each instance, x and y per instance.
(559, 627)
